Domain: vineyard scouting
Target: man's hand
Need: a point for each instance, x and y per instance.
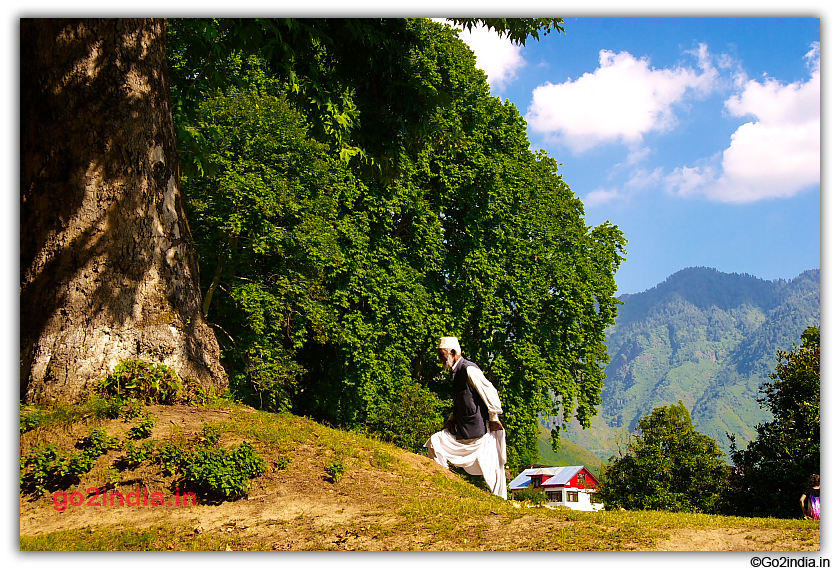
(496, 426)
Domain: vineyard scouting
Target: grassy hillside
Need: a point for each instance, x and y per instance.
(383, 498)
(569, 453)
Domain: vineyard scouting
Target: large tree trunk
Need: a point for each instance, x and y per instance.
(107, 273)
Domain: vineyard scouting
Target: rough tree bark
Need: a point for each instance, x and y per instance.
(106, 270)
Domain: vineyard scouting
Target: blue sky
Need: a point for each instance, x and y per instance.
(698, 137)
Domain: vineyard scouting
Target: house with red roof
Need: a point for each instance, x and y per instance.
(570, 486)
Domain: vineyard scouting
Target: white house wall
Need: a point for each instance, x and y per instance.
(582, 504)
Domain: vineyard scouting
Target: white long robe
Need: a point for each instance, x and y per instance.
(486, 455)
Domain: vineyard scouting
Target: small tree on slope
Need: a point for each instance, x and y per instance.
(667, 466)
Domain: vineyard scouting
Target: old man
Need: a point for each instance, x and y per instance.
(473, 437)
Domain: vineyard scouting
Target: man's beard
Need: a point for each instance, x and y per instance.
(450, 362)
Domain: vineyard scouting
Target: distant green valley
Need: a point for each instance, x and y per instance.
(569, 453)
(704, 337)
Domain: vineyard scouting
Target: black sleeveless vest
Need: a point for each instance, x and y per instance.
(469, 410)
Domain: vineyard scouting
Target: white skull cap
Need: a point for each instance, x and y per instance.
(449, 343)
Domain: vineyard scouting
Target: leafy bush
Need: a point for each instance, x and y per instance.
(218, 471)
(98, 442)
(283, 462)
(336, 470)
(145, 381)
(534, 496)
(48, 466)
(135, 455)
(170, 456)
(144, 427)
(210, 468)
(39, 466)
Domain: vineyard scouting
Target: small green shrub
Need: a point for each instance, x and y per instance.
(112, 477)
(31, 417)
(134, 455)
(48, 466)
(212, 433)
(144, 427)
(218, 471)
(536, 497)
(336, 470)
(39, 466)
(283, 462)
(208, 468)
(132, 408)
(98, 442)
(145, 381)
(77, 464)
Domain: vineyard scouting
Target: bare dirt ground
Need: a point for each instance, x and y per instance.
(731, 539)
(298, 508)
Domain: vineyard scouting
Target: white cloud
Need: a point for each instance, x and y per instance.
(637, 181)
(688, 181)
(813, 57)
(642, 179)
(774, 156)
(498, 57)
(637, 155)
(600, 196)
(623, 100)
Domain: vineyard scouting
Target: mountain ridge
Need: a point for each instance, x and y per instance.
(705, 337)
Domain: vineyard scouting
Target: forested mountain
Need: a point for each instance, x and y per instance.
(704, 337)
(567, 454)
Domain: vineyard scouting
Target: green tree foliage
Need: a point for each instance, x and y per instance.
(358, 104)
(667, 466)
(265, 225)
(332, 281)
(772, 471)
(517, 30)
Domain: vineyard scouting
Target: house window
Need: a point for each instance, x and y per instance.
(581, 479)
(571, 497)
(555, 496)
